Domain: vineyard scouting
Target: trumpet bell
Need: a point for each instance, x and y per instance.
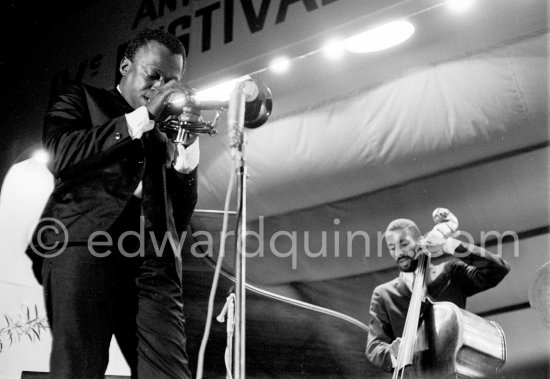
(258, 110)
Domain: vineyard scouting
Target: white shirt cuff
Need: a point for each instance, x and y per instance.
(187, 158)
(138, 122)
(450, 245)
(393, 361)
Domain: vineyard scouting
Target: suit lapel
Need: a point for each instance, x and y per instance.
(119, 101)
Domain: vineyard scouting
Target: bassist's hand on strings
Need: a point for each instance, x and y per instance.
(394, 350)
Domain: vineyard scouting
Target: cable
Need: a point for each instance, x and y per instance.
(298, 303)
(210, 311)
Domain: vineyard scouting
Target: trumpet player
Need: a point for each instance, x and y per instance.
(122, 187)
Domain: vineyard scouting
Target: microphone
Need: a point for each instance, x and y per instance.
(235, 108)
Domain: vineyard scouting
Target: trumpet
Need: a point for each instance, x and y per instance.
(179, 108)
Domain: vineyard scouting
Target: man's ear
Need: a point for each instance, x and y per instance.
(124, 66)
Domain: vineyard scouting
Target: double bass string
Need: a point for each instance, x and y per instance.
(406, 346)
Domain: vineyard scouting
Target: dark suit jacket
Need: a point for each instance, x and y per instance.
(98, 167)
(451, 279)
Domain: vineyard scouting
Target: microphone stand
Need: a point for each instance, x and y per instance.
(235, 117)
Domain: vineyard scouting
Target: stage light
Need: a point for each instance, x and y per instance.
(219, 92)
(381, 37)
(41, 156)
(280, 65)
(334, 49)
(460, 6)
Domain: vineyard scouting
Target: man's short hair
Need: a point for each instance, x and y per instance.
(154, 34)
(404, 224)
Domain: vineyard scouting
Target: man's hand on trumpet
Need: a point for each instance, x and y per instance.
(160, 95)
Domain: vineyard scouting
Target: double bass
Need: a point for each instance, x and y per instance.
(441, 340)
